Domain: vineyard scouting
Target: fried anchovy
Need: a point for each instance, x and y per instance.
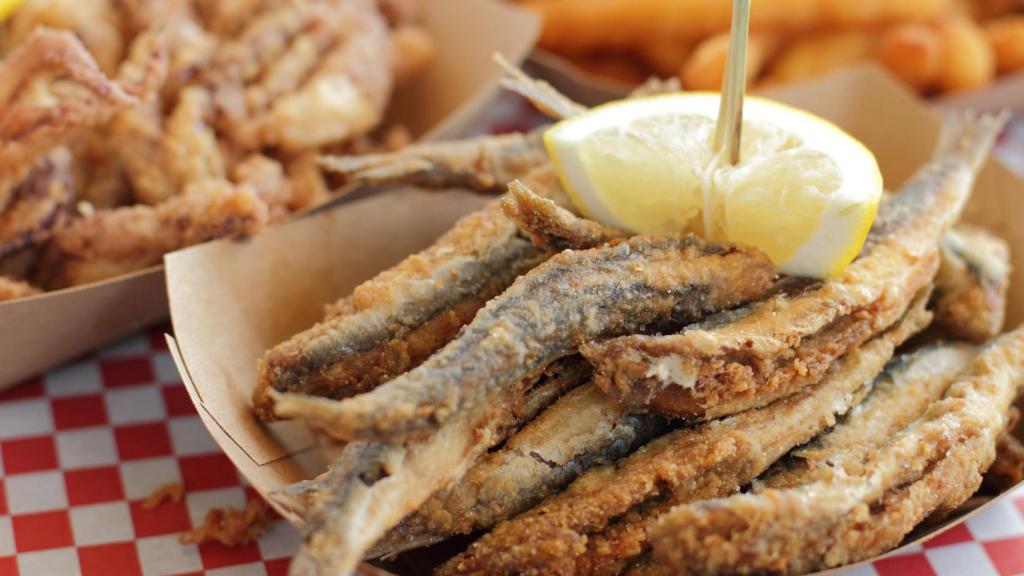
(597, 524)
(931, 466)
(583, 429)
(719, 369)
(397, 319)
(901, 395)
(551, 226)
(971, 284)
(485, 163)
(640, 284)
(373, 485)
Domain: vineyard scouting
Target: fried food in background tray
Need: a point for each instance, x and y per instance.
(469, 410)
(131, 129)
(935, 46)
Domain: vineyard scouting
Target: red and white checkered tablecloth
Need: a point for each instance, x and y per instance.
(84, 444)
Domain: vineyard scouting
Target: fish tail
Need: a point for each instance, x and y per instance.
(968, 136)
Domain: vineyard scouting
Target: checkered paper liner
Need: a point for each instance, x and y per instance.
(82, 446)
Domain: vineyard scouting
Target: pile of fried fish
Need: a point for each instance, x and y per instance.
(131, 128)
(583, 400)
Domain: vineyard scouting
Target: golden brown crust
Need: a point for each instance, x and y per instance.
(11, 289)
(231, 526)
(972, 283)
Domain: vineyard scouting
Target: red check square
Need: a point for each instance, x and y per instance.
(216, 555)
(1007, 555)
(28, 389)
(120, 558)
(207, 471)
(278, 567)
(29, 455)
(916, 564)
(3, 498)
(8, 566)
(954, 535)
(79, 411)
(142, 441)
(167, 518)
(93, 485)
(176, 400)
(126, 371)
(42, 531)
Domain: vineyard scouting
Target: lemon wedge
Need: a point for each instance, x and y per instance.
(7, 7)
(804, 191)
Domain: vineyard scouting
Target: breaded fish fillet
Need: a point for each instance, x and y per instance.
(708, 371)
(373, 485)
(971, 284)
(583, 429)
(576, 296)
(597, 524)
(868, 506)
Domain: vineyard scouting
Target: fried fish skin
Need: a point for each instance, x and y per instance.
(971, 285)
(581, 430)
(485, 163)
(574, 297)
(395, 320)
(373, 485)
(900, 395)
(551, 226)
(932, 465)
(597, 524)
(720, 368)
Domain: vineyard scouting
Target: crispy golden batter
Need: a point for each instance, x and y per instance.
(113, 242)
(1008, 469)
(728, 366)
(597, 524)
(871, 503)
(39, 205)
(971, 284)
(581, 430)
(96, 23)
(574, 297)
(372, 485)
(231, 526)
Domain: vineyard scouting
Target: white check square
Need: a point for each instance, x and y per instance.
(86, 448)
(134, 405)
(142, 477)
(55, 562)
(36, 492)
(74, 379)
(164, 555)
(101, 523)
(25, 418)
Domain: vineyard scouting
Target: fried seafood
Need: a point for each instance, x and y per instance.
(971, 284)
(38, 113)
(39, 205)
(11, 289)
(597, 524)
(581, 430)
(746, 359)
(551, 226)
(1008, 469)
(113, 242)
(486, 163)
(574, 297)
(396, 320)
(373, 485)
(96, 23)
(931, 466)
(901, 395)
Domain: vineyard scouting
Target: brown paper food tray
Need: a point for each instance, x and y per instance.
(230, 302)
(40, 332)
(1006, 92)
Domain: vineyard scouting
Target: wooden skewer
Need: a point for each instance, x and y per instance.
(730, 111)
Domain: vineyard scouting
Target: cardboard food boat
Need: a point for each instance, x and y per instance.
(230, 302)
(39, 332)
